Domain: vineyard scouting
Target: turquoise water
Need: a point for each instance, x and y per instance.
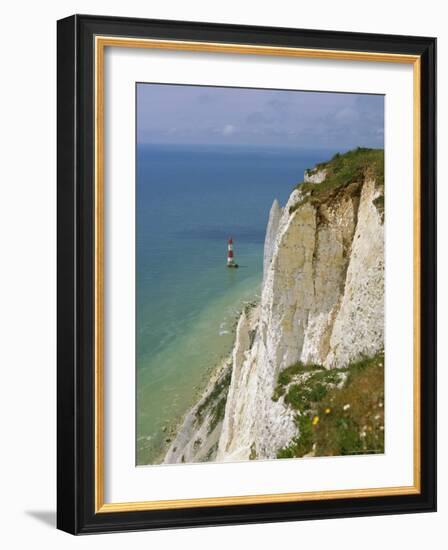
(189, 201)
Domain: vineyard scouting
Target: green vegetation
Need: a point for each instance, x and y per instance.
(287, 375)
(342, 170)
(334, 420)
(220, 388)
(215, 401)
(358, 428)
(248, 307)
(302, 444)
(379, 203)
(253, 452)
(211, 453)
(218, 413)
(300, 396)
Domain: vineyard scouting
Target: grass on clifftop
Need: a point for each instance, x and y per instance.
(334, 420)
(343, 170)
(300, 396)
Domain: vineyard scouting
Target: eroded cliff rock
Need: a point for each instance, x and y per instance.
(321, 305)
(316, 175)
(271, 235)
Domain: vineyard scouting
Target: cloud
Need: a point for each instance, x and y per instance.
(257, 118)
(347, 115)
(228, 130)
(213, 115)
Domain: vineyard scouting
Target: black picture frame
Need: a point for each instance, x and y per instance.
(75, 296)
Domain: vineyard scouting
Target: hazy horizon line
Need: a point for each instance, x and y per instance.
(250, 146)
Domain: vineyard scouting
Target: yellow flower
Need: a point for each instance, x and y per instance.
(315, 420)
(327, 410)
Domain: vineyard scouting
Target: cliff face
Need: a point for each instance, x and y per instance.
(315, 176)
(271, 234)
(321, 303)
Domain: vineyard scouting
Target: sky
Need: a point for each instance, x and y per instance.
(188, 115)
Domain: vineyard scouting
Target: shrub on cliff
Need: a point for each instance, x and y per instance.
(343, 170)
(334, 420)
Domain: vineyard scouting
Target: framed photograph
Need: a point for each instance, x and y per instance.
(246, 274)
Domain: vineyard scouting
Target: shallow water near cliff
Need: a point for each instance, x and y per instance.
(189, 201)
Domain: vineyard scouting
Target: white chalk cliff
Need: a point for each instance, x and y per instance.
(316, 175)
(321, 303)
(271, 234)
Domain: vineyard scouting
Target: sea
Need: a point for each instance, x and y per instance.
(189, 201)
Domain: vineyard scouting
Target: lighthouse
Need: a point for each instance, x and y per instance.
(230, 258)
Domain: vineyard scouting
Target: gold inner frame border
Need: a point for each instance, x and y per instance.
(101, 42)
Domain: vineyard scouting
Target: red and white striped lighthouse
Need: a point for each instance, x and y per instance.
(230, 258)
